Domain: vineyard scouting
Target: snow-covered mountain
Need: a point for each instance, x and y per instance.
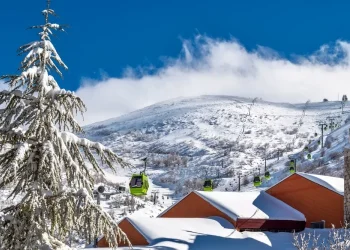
(189, 139)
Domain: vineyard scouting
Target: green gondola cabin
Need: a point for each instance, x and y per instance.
(309, 156)
(208, 185)
(257, 181)
(267, 175)
(292, 166)
(139, 184)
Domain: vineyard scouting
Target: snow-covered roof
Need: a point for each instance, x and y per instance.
(255, 205)
(153, 228)
(204, 233)
(334, 184)
(173, 235)
(207, 234)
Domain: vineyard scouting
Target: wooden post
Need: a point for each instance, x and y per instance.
(347, 185)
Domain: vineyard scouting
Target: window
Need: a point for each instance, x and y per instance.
(207, 184)
(136, 181)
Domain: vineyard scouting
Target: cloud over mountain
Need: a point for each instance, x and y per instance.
(222, 67)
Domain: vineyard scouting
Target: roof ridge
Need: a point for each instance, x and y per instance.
(138, 229)
(330, 189)
(228, 213)
(173, 205)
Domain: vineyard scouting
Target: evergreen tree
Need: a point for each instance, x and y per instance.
(47, 165)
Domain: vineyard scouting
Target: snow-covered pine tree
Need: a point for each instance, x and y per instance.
(46, 164)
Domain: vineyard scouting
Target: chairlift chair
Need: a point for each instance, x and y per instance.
(208, 185)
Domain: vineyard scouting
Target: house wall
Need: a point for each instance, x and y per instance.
(270, 225)
(133, 235)
(193, 206)
(313, 200)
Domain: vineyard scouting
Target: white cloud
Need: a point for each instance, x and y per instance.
(222, 67)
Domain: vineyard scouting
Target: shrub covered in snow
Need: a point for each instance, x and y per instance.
(328, 142)
(337, 239)
(291, 131)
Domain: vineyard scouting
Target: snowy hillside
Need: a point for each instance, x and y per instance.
(189, 139)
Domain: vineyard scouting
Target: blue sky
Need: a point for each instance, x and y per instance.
(112, 35)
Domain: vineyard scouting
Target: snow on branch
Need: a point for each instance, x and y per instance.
(73, 209)
(45, 164)
(107, 156)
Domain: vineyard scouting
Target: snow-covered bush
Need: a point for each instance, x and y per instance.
(167, 160)
(335, 155)
(323, 170)
(116, 201)
(307, 166)
(347, 120)
(303, 135)
(300, 143)
(313, 147)
(337, 239)
(188, 186)
(291, 131)
(245, 180)
(329, 140)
